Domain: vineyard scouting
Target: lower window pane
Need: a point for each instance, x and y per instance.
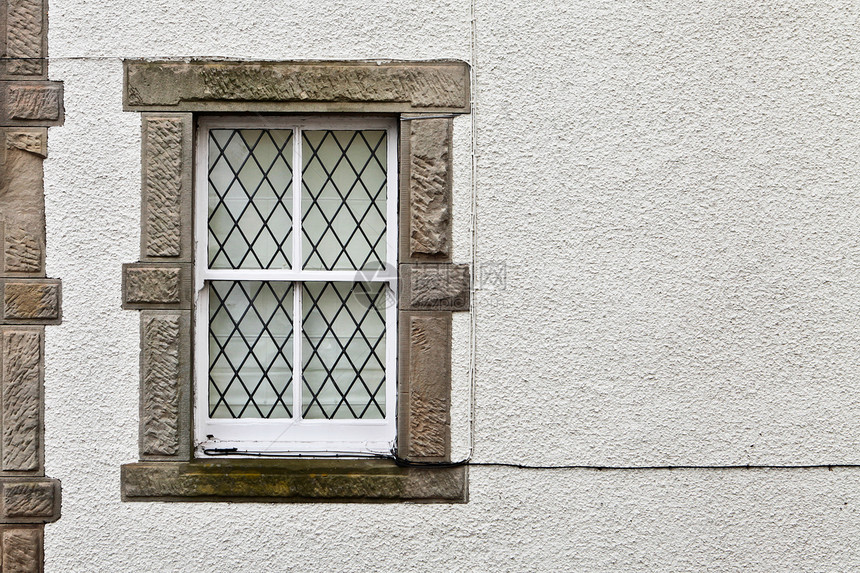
(343, 350)
(250, 349)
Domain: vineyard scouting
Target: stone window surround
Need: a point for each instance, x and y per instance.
(425, 96)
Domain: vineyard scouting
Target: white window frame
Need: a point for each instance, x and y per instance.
(296, 435)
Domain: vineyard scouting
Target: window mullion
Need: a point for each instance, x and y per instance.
(297, 266)
(297, 199)
(298, 288)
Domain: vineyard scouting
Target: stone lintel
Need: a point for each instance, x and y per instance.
(156, 286)
(297, 86)
(317, 480)
(434, 286)
(29, 500)
(31, 301)
(424, 394)
(31, 103)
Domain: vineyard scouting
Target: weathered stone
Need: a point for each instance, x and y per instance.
(291, 480)
(29, 499)
(22, 549)
(152, 285)
(27, 300)
(393, 86)
(430, 286)
(23, 251)
(163, 179)
(32, 141)
(429, 386)
(22, 363)
(37, 102)
(24, 36)
(22, 210)
(161, 384)
(430, 186)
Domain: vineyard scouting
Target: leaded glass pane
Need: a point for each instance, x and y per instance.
(250, 349)
(250, 198)
(343, 335)
(344, 199)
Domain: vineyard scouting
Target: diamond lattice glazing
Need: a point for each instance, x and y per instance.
(250, 198)
(250, 349)
(343, 199)
(343, 350)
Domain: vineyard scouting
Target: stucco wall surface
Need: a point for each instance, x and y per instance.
(584, 521)
(673, 187)
(672, 190)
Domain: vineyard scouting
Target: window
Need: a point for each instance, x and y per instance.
(328, 254)
(296, 258)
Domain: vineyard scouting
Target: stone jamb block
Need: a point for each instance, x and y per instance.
(165, 390)
(434, 286)
(22, 201)
(31, 301)
(424, 395)
(31, 103)
(167, 161)
(426, 181)
(156, 286)
(22, 548)
(21, 399)
(297, 86)
(32, 500)
(23, 25)
(293, 481)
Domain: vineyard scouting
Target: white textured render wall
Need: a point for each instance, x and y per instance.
(673, 189)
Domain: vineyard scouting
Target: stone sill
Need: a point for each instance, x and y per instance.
(278, 481)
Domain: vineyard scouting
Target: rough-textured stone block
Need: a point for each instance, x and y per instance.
(163, 186)
(31, 300)
(291, 481)
(22, 212)
(284, 86)
(152, 285)
(24, 36)
(21, 388)
(32, 141)
(34, 500)
(430, 286)
(430, 187)
(161, 379)
(22, 549)
(37, 102)
(23, 251)
(426, 385)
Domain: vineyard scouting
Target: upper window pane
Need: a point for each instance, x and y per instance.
(344, 181)
(250, 198)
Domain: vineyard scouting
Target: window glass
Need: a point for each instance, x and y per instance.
(250, 198)
(343, 199)
(343, 333)
(250, 349)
